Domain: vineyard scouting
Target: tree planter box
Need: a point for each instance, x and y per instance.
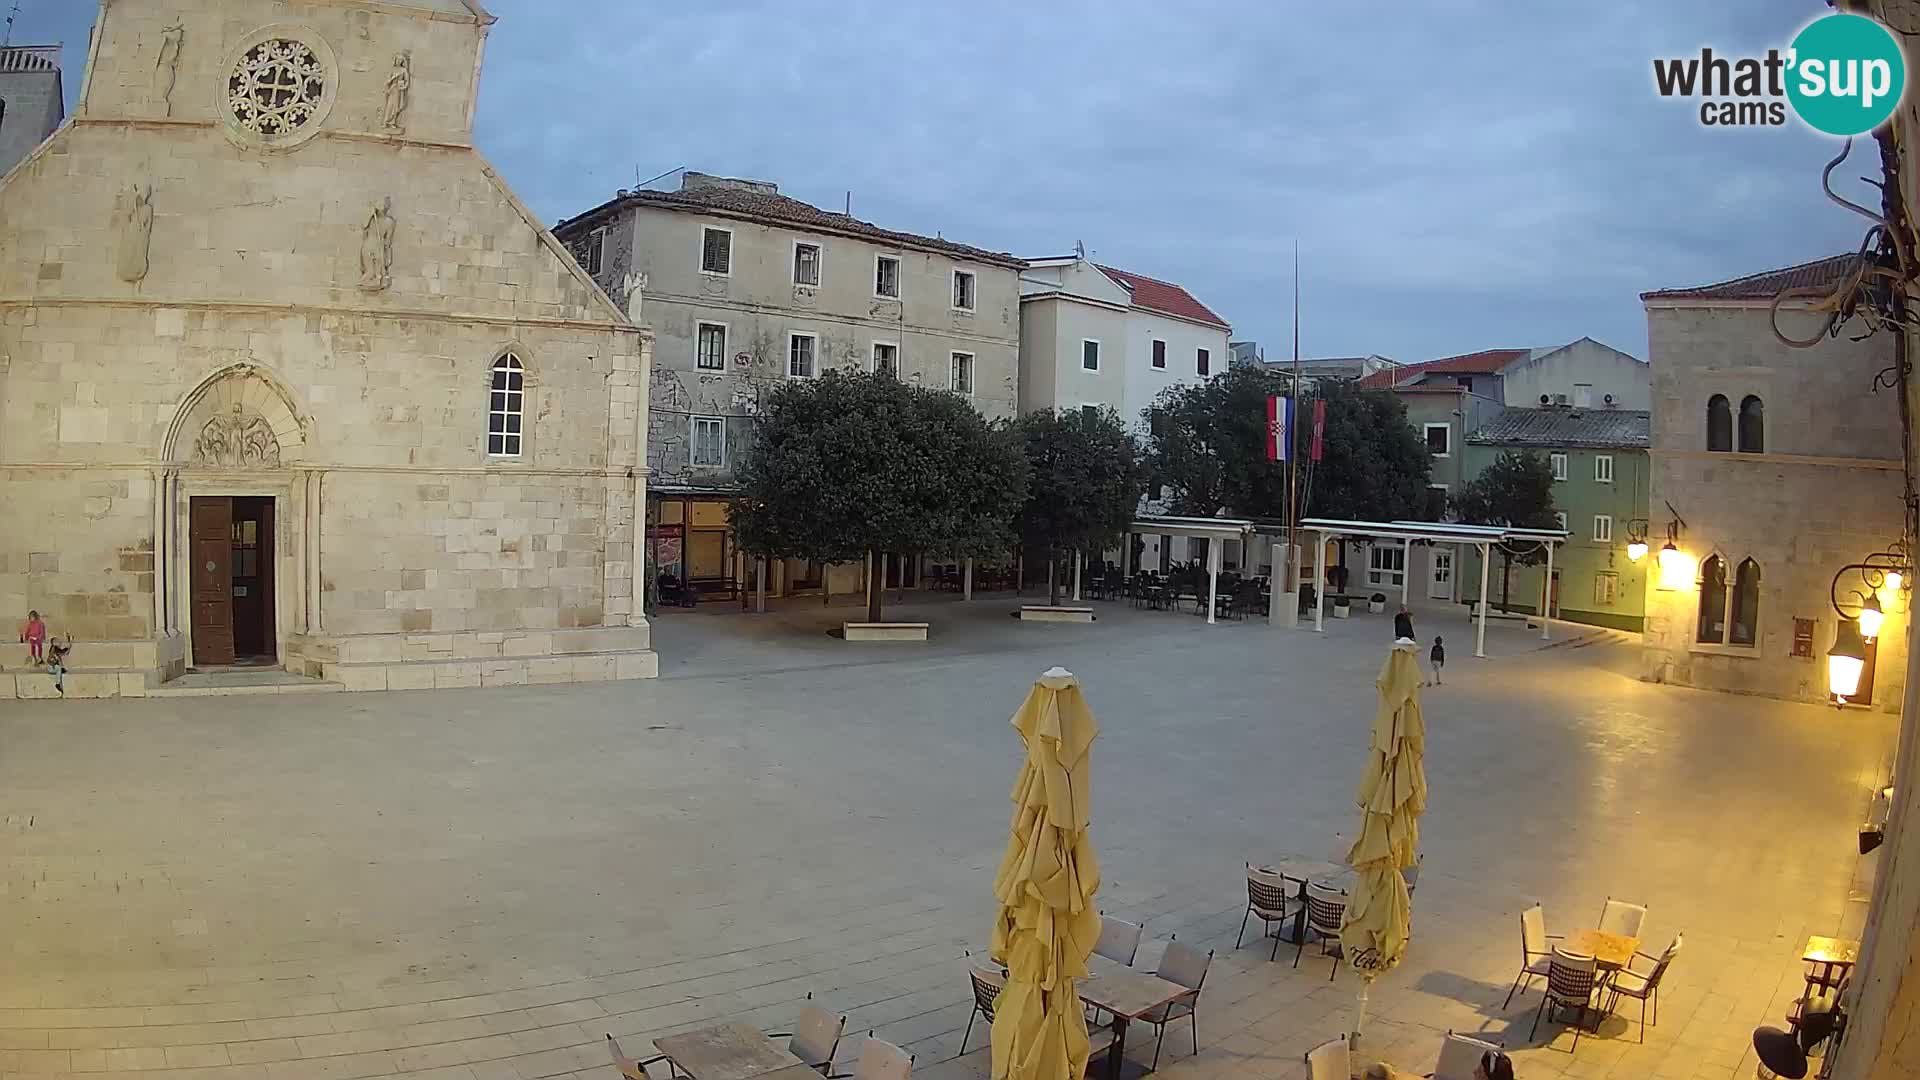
(884, 631)
(1045, 613)
(1341, 611)
(1376, 606)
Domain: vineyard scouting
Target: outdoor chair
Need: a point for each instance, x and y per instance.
(1536, 949)
(986, 991)
(632, 1069)
(1643, 986)
(1620, 917)
(879, 1060)
(1273, 899)
(816, 1036)
(1460, 1055)
(1187, 966)
(1325, 908)
(1119, 940)
(1570, 984)
(1331, 1060)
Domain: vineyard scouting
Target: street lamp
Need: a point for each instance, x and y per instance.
(1845, 661)
(1871, 615)
(1675, 568)
(1636, 550)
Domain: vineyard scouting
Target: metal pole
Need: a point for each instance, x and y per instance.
(1406, 569)
(966, 580)
(1480, 641)
(1546, 594)
(1319, 582)
(1213, 576)
(1079, 560)
(760, 563)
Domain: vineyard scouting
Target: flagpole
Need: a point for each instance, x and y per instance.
(1293, 403)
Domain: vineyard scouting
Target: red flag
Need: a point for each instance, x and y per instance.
(1319, 426)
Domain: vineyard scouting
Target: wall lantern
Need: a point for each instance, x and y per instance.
(1676, 566)
(1637, 539)
(1861, 615)
(1636, 550)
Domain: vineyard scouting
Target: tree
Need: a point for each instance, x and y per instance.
(850, 465)
(1207, 446)
(1085, 484)
(1516, 490)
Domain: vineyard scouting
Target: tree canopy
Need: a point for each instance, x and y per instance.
(848, 464)
(1085, 482)
(1516, 490)
(1207, 448)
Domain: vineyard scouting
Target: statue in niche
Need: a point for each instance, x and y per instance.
(634, 285)
(166, 66)
(376, 247)
(399, 83)
(133, 222)
(237, 440)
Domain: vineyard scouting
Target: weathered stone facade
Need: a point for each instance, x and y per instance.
(302, 295)
(1824, 491)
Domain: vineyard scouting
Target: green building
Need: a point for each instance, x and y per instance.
(1599, 459)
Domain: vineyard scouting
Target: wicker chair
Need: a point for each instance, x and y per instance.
(1187, 966)
(1571, 978)
(1325, 909)
(986, 991)
(1272, 898)
(1643, 986)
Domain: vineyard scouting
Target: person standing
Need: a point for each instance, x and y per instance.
(1437, 656)
(1403, 624)
(34, 633)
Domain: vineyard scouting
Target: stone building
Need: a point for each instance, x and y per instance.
(746, 288)
(1774, 467)
(291, 378)
(32, 100)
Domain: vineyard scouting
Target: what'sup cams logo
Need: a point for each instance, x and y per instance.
(1843, 75)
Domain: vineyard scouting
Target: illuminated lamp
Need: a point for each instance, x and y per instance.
(1871, 616)
(1845, 661)
(1637, 550)
(1675, 568)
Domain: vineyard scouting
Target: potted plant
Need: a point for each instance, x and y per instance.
(1340, 607)
(1377, 603)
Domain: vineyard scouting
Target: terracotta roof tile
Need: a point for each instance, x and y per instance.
(781, 210)
(1764, 285)
(1484, 362)
(1164, 296)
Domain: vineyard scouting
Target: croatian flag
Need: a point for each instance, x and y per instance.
(1279, 428)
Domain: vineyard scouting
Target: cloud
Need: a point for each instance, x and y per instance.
(1458, 175)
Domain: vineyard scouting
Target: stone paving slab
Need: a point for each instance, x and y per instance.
(479, 884)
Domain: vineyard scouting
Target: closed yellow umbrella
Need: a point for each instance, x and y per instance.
(1393, 794)
(1047, 924)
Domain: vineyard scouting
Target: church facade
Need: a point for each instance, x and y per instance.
(290, 378)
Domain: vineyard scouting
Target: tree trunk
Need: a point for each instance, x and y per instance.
(876, 585)
(1506, 573)
(1053, 576)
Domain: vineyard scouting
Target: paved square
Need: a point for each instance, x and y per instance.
(479, 884)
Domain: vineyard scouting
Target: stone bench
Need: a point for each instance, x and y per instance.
(1052, 613)
(884, 631)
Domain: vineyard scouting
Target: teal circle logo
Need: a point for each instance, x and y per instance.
(1847, 74)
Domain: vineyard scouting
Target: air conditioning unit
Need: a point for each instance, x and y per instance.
(1559, 399)
(1608, 399)
(1546, 399)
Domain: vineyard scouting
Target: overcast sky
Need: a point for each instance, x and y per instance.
(1458, 175)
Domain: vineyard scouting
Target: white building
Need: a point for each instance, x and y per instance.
(1094, 336)
(1100, 336)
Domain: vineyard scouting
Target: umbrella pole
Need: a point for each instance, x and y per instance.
(1360, 1014)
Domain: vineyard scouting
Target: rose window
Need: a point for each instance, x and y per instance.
(276, 88)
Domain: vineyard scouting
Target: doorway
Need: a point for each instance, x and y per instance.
(1440, 573)
(231, 545)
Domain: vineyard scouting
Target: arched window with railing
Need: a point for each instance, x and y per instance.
(506, 406)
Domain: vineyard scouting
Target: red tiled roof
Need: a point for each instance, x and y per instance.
(1484, 362)
(1164, 296)
(1820, 273)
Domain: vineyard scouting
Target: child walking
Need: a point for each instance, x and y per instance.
(1437, 656)
(34, 633)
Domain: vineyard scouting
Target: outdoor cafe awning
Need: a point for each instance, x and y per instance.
(1200, 527)
(1482, 537)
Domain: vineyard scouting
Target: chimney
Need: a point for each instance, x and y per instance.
(690, 181)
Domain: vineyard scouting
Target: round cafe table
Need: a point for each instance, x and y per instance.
(1608, 950)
